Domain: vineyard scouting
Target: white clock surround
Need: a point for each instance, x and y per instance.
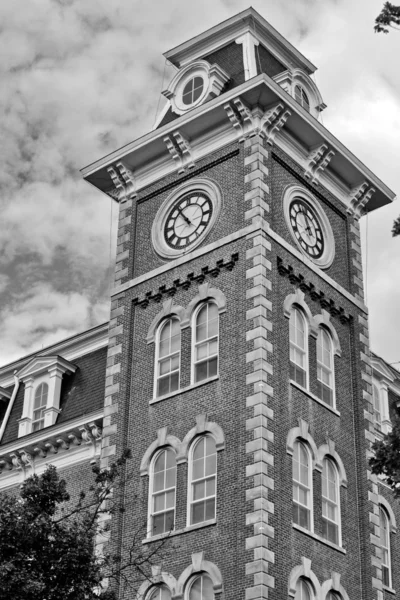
(205, 186)
(296, 191)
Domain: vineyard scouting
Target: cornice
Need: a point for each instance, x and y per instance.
(71, 348)
(322, 156)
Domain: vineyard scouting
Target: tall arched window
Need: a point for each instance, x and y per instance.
(39, 406)
(384, 523)
(330, 502)
(325, 372)
(376, 399)
(301, 97)
(206, 342)
(201, 588)
(168, 359)
(159, 592)
(162, 492)
(303, 591)
(302, 486)
(298, 347)
(203, 480)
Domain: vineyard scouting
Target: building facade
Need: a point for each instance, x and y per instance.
(236, 366)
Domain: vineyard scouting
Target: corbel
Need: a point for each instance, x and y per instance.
(27, 458)
(124, 182)
(359, 196)
(317, 161)
(241, 118)
(179, 148)
(16, 460)
(273, 120)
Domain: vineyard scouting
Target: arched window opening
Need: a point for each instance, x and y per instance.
(160, 592)
(298, 347)
(376, 399)
(325, 373)
(203, 479)
(333, 596)
(303, 591)
(302, 483)
(330, 502)
(162, 492)
(168, 362)
(384, 524)
(301, 97)
(39, 406)
(206, 342)
(201, 588)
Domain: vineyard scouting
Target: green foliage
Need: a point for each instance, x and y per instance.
(386, 460)
(388, 17)
(396, 227)
(48, 542)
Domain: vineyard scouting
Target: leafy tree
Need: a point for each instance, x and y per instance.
(388, 17)
(396, 227)
(48, 542)
(386, 460)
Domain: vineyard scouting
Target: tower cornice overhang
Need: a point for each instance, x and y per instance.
(208, 128)
(228, 31)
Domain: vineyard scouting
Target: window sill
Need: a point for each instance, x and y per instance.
(183, 390)
(162, 536)
(315, 536)
(313, 397)
(389, 589)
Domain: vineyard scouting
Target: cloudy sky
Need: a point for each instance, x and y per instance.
(80, 78)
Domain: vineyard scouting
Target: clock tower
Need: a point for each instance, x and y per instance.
(238, 366)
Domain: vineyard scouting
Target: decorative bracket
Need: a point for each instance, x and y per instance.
(241, 118)
(273, 120)
(318, 160)
(180, 150)
(359, 197)
(124, 182)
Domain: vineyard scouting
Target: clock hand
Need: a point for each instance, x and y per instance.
(184, 216)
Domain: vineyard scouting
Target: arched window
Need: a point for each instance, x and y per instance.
(162, 492)
(303, 591)
(301, 97)
(330, 502)
(168, 359)
(201, 588)
(302, 486)
(325, 372)
(202, 476)
(384, 524)
(39, 406)
(298, 347)
(206, 342)
(333, 596)
(376, 399)
(159, 592)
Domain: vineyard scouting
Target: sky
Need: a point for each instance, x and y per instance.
(81, 78)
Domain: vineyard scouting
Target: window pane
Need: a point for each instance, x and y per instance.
(206, 342)
(201, 371)
(302, 591)
(201, 589)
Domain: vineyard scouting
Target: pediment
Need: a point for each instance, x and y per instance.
(380, 369)
(41, 364)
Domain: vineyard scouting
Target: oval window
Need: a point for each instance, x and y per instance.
(192, 90)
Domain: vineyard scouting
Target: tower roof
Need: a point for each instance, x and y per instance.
(247, 21)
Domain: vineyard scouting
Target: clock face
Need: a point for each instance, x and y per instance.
(306, 228)
(188, 219)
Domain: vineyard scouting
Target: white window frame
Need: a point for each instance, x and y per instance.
(382, 510)
(305, 105)
(195, 344)
(158, 587)
(42, 408)
(158, 358)
(327, 499)
(297, 309)
(190, 480)
(376, 399)
(299, 484)
(151, 492)
(331, 368)
(193, 579)
(300, 582)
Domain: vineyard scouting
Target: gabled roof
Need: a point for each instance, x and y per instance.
(222, 34)
(40, 364)
(384, 369)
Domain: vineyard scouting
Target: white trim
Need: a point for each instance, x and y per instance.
(296, 309)
(293, 192)
(162, 114)
(249, 42)
(331, 366)
(338, 523)
(151, 486)
(161, 326)
(382, 508)
(211, 189)
(193, 445)
(194, 342)
(300, 442)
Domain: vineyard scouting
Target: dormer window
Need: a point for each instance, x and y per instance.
(192, 90)
(301, 97)
(39, 406)
(42, 378)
